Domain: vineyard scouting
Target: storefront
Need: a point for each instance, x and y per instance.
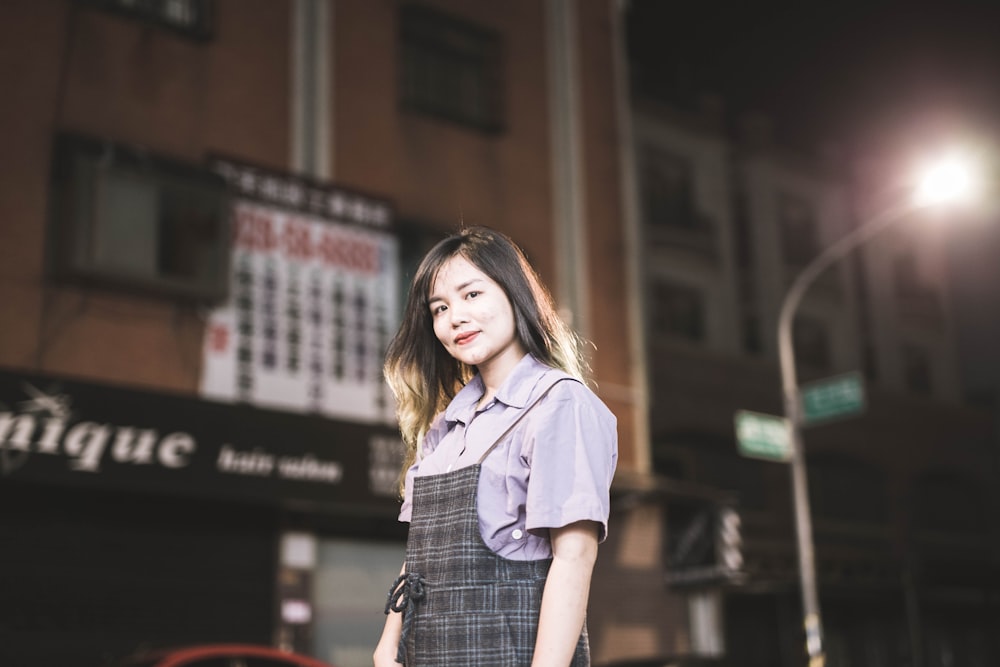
(134, 518)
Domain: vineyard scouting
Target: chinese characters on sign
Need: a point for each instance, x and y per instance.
(313, 300)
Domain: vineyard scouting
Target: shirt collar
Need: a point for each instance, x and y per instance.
(463, 405)
(519, 385)
(514, 392)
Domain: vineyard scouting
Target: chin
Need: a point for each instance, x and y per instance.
(471, 359)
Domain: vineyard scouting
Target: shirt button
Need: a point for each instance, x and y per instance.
(517, 534)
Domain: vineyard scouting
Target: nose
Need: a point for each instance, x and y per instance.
(458, 314)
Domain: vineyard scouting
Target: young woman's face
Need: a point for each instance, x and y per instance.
(473, 318)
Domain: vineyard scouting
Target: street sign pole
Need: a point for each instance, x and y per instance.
(774, 438)
(789, 387)
(803, 532)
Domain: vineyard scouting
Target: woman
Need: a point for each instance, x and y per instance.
(510, 460)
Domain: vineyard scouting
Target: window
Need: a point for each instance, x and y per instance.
(670, 209)
(677, 310)
(811, 343)
(667, 183)
(799, 234)
(124, 218)
(191, 18)
(450, 69)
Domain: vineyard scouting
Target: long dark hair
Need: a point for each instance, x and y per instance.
(421, 373)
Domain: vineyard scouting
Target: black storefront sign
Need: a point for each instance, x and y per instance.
(68, 432)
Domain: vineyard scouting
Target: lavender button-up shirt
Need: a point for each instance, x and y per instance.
(553, 469)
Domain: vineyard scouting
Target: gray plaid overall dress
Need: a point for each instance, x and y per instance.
(462, 604)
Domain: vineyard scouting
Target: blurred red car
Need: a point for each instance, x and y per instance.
(220, 655)
(667, 661)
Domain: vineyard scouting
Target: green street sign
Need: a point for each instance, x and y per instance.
(830, 398)
(763, 436)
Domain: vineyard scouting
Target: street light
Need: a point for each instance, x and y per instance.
(946, 181)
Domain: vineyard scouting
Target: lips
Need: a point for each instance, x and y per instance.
(463, 338)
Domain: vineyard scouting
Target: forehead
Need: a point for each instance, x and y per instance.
(456, 272)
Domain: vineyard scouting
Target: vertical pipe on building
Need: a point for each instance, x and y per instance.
(633, 243)
(312, 137)
(311, 153)
(569, 210)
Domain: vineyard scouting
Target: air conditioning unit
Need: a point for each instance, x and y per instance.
(125, 218)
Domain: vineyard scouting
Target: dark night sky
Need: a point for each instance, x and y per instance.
(846, 71)
(870, 76)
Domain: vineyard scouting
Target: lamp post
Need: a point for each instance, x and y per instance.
(945, 182)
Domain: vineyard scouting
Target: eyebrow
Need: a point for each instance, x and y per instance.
(434, 297)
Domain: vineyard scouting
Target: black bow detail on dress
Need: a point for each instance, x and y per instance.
(407, 588)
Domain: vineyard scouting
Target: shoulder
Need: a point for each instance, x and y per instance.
(571, 423)
(556, 391)
(571, 391)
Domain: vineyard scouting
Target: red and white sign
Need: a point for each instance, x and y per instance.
(312, 305)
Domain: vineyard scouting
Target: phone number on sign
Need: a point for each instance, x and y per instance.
(303, 241)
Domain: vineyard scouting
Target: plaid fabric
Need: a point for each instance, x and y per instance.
(478, 609)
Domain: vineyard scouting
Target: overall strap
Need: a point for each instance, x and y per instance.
(521, 416)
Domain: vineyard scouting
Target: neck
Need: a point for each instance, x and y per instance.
(490, 385)
(495, 373)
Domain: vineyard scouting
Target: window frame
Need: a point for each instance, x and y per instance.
(668, 191)
(439, 53)
(663, 323)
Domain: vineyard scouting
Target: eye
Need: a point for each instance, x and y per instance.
(473, 294)
(438, 309)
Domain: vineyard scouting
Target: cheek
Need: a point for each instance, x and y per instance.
(494, 312)
(508, 319)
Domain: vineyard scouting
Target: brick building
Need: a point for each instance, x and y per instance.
(208, 209)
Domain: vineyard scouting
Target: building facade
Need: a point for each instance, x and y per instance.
(209, 212)
(728, 220)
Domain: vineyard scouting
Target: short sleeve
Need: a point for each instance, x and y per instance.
(431, 439)
(572, 451)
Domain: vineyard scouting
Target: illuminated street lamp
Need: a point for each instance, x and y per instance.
(947, 181)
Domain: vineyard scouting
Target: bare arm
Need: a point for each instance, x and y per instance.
(388, 643)
(567, 588)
